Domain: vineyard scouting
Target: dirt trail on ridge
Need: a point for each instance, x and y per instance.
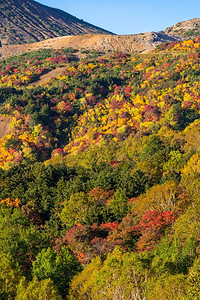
(4, 126)
(46, 77)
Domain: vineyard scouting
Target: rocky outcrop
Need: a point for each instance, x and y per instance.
(185, 29)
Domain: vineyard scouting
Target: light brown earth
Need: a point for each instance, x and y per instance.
(4, 126)
(122, 43)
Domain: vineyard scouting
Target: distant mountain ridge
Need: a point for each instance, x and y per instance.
(27, 21)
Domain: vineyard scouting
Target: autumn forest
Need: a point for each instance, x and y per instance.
(100, 174)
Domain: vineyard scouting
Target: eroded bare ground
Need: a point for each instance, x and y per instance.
(52, 74)
(4, 126)
(121, 43)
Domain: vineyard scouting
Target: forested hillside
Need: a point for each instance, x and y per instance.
(100, 174)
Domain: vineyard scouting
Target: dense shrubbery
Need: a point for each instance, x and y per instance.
(99, 177)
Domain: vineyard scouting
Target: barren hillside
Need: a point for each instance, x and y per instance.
(122, 43)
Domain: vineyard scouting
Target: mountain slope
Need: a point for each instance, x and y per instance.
(27, 21)
(48, 32)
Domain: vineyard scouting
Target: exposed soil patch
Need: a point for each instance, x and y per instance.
(52, 74)
(4, 126)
